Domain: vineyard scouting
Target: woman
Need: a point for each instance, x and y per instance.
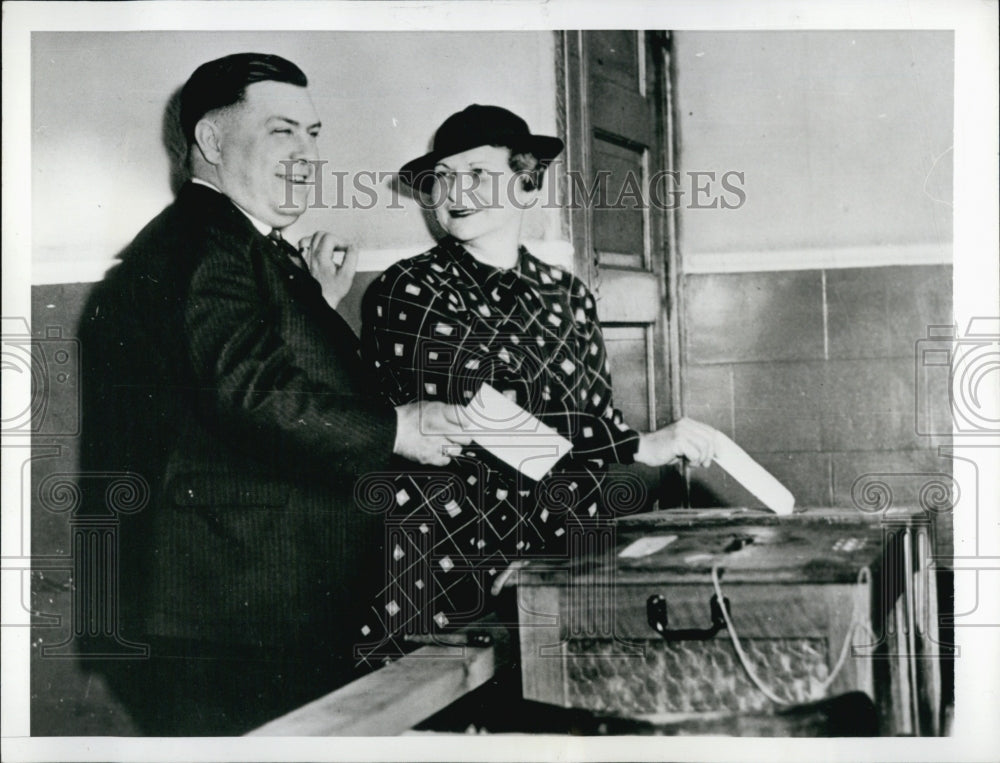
(479, 309)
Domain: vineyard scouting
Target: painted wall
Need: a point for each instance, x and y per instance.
(844, 139)
(102, 143)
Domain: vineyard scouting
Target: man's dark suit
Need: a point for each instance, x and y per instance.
(220, 375)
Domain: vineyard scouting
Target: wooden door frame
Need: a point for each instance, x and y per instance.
(573, 122)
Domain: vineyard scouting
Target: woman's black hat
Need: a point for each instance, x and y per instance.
(474, 126)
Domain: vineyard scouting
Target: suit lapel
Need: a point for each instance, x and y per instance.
(218, 212)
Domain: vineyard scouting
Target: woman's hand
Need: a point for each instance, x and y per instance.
(685, 438)
(333, 265)
(503, 577)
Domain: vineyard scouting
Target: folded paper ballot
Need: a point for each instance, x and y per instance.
(512, 434)
(753, 476)
(519, 439)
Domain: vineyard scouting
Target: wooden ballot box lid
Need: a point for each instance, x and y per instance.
(801, 591)
(752, 546)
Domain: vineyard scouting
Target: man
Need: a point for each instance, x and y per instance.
(219, 373)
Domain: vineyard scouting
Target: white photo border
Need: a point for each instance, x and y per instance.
(976, 734)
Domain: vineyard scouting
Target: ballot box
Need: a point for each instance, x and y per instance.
(682, 613)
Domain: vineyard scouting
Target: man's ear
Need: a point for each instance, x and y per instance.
(208, 138)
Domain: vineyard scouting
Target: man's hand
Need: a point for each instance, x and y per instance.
(685, 438)
(322, 255)
(426, 432)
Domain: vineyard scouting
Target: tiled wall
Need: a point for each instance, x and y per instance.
(814, 373)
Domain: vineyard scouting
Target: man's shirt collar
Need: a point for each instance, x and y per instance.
(264, 228)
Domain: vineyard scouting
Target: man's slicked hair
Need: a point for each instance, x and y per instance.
(223, 82)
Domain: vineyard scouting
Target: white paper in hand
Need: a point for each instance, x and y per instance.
(753, 476)
(512, 434)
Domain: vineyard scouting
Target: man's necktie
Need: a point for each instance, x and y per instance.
(345, 335)
(290, 251)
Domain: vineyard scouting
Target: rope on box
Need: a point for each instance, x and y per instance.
(857, 622)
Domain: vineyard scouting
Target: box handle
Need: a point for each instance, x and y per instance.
(656, 616)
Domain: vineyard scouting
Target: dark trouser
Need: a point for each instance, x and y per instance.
(190, 689)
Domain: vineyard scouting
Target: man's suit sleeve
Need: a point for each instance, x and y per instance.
(255, 387)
